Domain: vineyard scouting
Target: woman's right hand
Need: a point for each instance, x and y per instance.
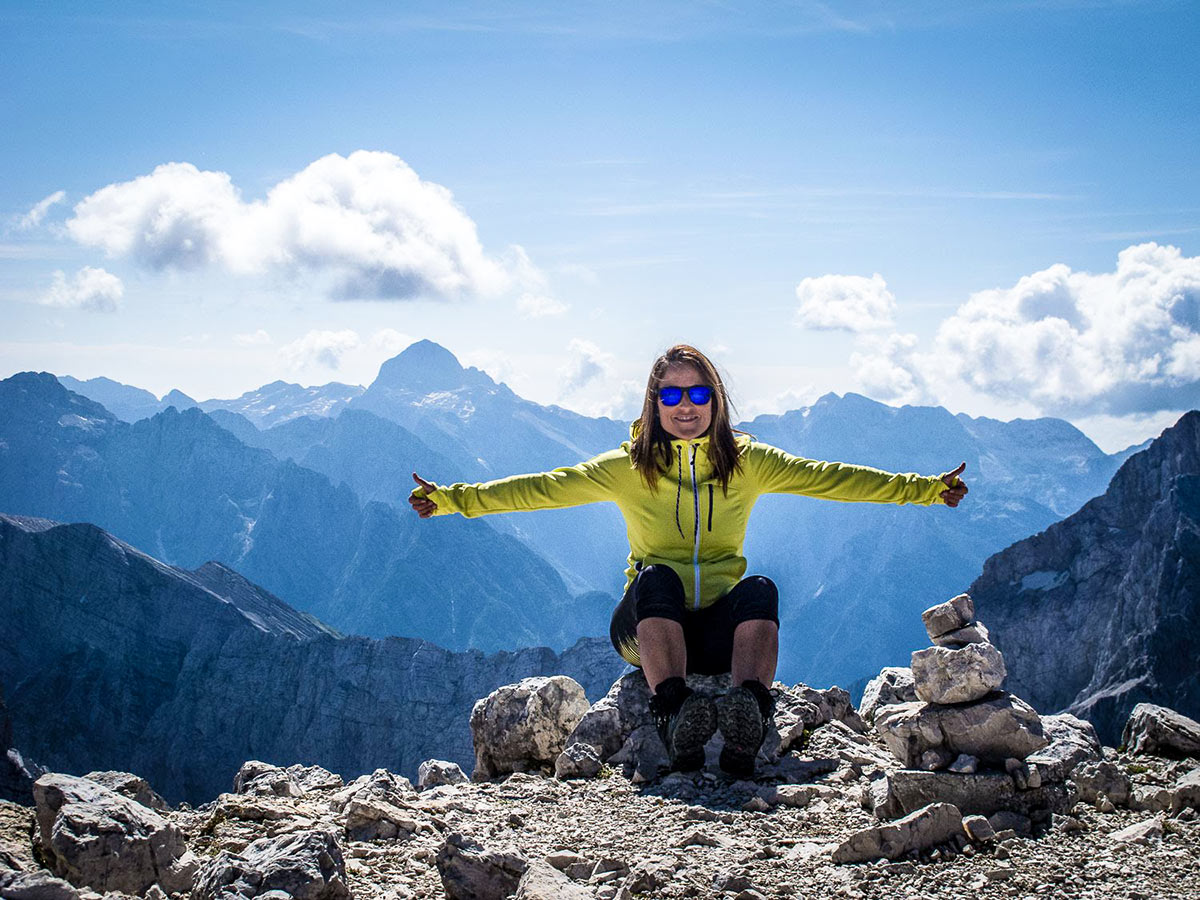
(421, 504)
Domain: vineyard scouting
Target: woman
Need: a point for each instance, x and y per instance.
(685, 483)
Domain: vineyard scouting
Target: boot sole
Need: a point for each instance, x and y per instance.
(694, 724)
(741, 724)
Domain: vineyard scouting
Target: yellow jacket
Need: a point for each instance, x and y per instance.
(687, 522)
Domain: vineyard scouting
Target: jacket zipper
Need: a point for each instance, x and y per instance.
(710, 495)
(696, 530)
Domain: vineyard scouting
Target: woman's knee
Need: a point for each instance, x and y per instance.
(757, 598)
(658, 592)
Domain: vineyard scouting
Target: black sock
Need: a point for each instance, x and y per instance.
(766, 703)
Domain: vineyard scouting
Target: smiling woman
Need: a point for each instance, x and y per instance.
(688, 606)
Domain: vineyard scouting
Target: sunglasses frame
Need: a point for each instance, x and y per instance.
(706, 389)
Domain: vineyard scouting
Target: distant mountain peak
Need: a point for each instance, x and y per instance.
(178, 399)
(427, 366)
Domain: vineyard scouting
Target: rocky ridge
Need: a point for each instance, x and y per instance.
(801, 830)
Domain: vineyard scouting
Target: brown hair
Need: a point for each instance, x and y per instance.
(650, 450)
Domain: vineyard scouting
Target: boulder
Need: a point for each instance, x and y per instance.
(927, 827)
(994, 729)
(39, 885)
(1072, 741)
(958, 612)
(433, 772)
(469, 872)
(314, 778)
(1159, 731)
(1186, 791)
(377, 807)
(891, 686)
(975, 633)
(1096, 778)
(983, 793)
(132, 786)
(97, 838)
(1140, 833)
(304, 865)
(949, 675)
(577, 761)
(542, 881)
(264, 779)
(524, 726)
(380, 785)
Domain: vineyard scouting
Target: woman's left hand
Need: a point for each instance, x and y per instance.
(956, 487)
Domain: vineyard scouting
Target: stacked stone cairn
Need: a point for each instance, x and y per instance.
(961, 738)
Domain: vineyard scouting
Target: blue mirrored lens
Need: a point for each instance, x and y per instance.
(699, 394)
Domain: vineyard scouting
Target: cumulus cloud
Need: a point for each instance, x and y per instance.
(255, 339)
(320, 348)
(91, 289)
(887, 369)
(587, 363)
(366, 222)
(37, 212)
(389, 340)
(536, 306)
(845, 303)
(1070, 343)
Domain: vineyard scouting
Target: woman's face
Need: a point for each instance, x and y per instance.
(685, 421)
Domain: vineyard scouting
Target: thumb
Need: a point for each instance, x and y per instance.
(952, 477)
(428, 488)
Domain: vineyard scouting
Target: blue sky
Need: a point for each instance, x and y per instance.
(993, 206)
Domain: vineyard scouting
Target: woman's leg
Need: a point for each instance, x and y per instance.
(755, 651)
(661, 648)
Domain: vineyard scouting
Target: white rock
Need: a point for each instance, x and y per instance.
(947, 675)
(955, 613)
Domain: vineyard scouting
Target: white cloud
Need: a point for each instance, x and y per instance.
(845, 303)
(91, 289)
(1068, 343)
(320, 348)
(389, 341)
(886, 369)
(37, 212)
(367, 223)
(623, 404)
(536, 306)
(256, 339)
(587, 363)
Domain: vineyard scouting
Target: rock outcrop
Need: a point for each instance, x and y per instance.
(1098, 612)
(180, 675)
(300, 832)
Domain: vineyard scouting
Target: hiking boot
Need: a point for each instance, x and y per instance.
(685, 721)
(742, 715)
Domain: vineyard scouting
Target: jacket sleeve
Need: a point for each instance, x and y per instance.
(779, 472)
(587, 482)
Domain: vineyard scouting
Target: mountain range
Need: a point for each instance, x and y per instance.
(841, 622)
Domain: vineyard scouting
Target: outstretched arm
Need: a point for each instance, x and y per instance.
(587, 482)
(779, 472)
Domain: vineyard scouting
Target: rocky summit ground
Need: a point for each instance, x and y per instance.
(679, 836)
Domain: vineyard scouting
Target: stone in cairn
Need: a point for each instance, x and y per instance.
(960, 714)
(962, 666)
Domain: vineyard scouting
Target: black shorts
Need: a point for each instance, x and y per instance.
(657, 592)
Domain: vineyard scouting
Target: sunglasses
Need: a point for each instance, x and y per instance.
(699, 394)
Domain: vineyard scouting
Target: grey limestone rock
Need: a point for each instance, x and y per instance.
(578, 760)
(994, 729)
(983, 793)
(1071, 741)
(1161, 732)
(433, 772)
(1186, 791)
(264, 779)
(891, 686)
(377, 807)
(975, 633)
(542, 881)
(926, 827)
(957, 675)
(132, 786)
(1096, 778)
(39, 885)
(978, 828)
(955, 613)
(525, 726)
(470, 872)
(1139, 833)
(304, 865)
(95, 837)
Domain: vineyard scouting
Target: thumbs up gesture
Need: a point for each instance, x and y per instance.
(956, 487)
(420, 502)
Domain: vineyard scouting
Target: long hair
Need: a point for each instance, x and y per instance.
(650, 451)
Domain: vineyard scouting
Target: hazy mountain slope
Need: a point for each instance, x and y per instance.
(282, 401)
(185, 489)
(1102, 610)
(182, 675)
